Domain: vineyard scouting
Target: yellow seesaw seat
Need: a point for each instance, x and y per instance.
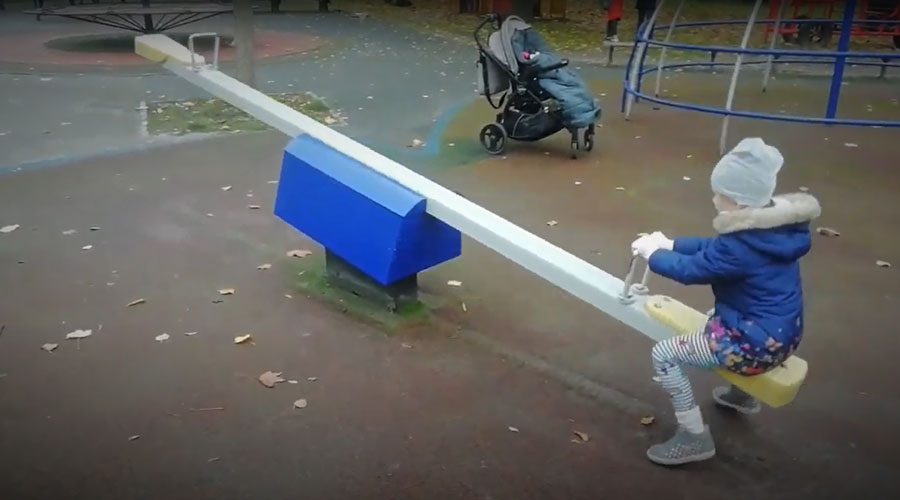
(775, 388)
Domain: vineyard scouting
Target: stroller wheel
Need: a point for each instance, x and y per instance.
(493, 138)
(588, 138)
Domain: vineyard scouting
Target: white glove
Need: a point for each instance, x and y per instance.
(645, 246)
(664, 242)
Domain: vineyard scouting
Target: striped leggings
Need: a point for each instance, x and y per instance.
(668, 356)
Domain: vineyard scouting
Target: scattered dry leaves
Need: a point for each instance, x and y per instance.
(8, 229)
(827, 231)
(78, 334)
(299, 253)
(49, 347)
(454, 283)
(270, 378)
(240, 339)
(226, 291)
(648, 420)
(300, 404)
(581, 437)
(162, 337)
(136, 302)
(882, 263)
(263, 267)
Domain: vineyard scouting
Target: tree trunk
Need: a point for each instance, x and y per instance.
(243, 37)
(524, 9)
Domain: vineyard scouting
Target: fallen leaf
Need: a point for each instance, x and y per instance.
(406, 346)
(804, 189)
(78, 334)
(288, 296)
(210, 214)
(648, 420)
(263, 267)
(87, 247)
(582, 436)
(162, 337)
(68, 232)
(253, 207)
(329, 120)
(552, 223)
(240, 339)
(272, 182)
(882, 263)
(49, 347)
(214, 459)
(454, 283)
(300, 404)
(270, 378)
(190, 334)
(299, 253)
(95, 228)
(312, 379)
(226, 188)
(293, 382)
(851, 145)
(464, 308)
(827, 231)
(689, 156)
(135, 437)
(513, 429)
(9, 229)
(136, 302)
(417, 143)
(686, 178)
(226, 291)
(620, 188)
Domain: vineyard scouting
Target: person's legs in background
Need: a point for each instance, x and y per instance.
(613, 15)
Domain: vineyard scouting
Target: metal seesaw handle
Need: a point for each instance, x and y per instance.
(191, 38)
(630, 288)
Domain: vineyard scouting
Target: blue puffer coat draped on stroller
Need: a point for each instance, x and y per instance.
(538, 93)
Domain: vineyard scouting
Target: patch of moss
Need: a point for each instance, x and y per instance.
(308, 277)
(216, 115)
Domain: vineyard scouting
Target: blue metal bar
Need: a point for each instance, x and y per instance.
(695, 24)
(786, 61)
(780, 52)
(766, 116)
(628, 76)
(843, 44)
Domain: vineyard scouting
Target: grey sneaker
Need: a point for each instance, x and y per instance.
(736, 399)
(684, 447)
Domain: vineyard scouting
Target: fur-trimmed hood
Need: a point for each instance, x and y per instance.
(785, 210)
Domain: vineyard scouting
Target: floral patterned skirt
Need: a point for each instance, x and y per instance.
(736, 355)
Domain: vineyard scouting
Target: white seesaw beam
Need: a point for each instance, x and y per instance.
(548, 261)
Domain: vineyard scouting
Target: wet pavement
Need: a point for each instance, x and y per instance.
(425, 413)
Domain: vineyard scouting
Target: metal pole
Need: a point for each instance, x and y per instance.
(770, 57)
(662, 54)
(839, 62)
(148, 18)
(636, 69)
(243, 34)
(734, 76)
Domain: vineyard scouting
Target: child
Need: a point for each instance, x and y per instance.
(755, 276)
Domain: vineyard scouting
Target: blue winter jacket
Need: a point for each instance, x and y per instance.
(752, 266)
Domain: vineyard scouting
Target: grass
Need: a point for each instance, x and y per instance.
(308, 277)
(216, 115)
(583, 30)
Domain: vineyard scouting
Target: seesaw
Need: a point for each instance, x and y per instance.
(390, 223)
(775, 388)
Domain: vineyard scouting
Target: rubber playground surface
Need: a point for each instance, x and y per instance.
(482, 401)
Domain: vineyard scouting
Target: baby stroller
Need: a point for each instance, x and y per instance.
(538, 94)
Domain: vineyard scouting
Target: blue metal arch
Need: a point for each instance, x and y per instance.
(840, 58)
